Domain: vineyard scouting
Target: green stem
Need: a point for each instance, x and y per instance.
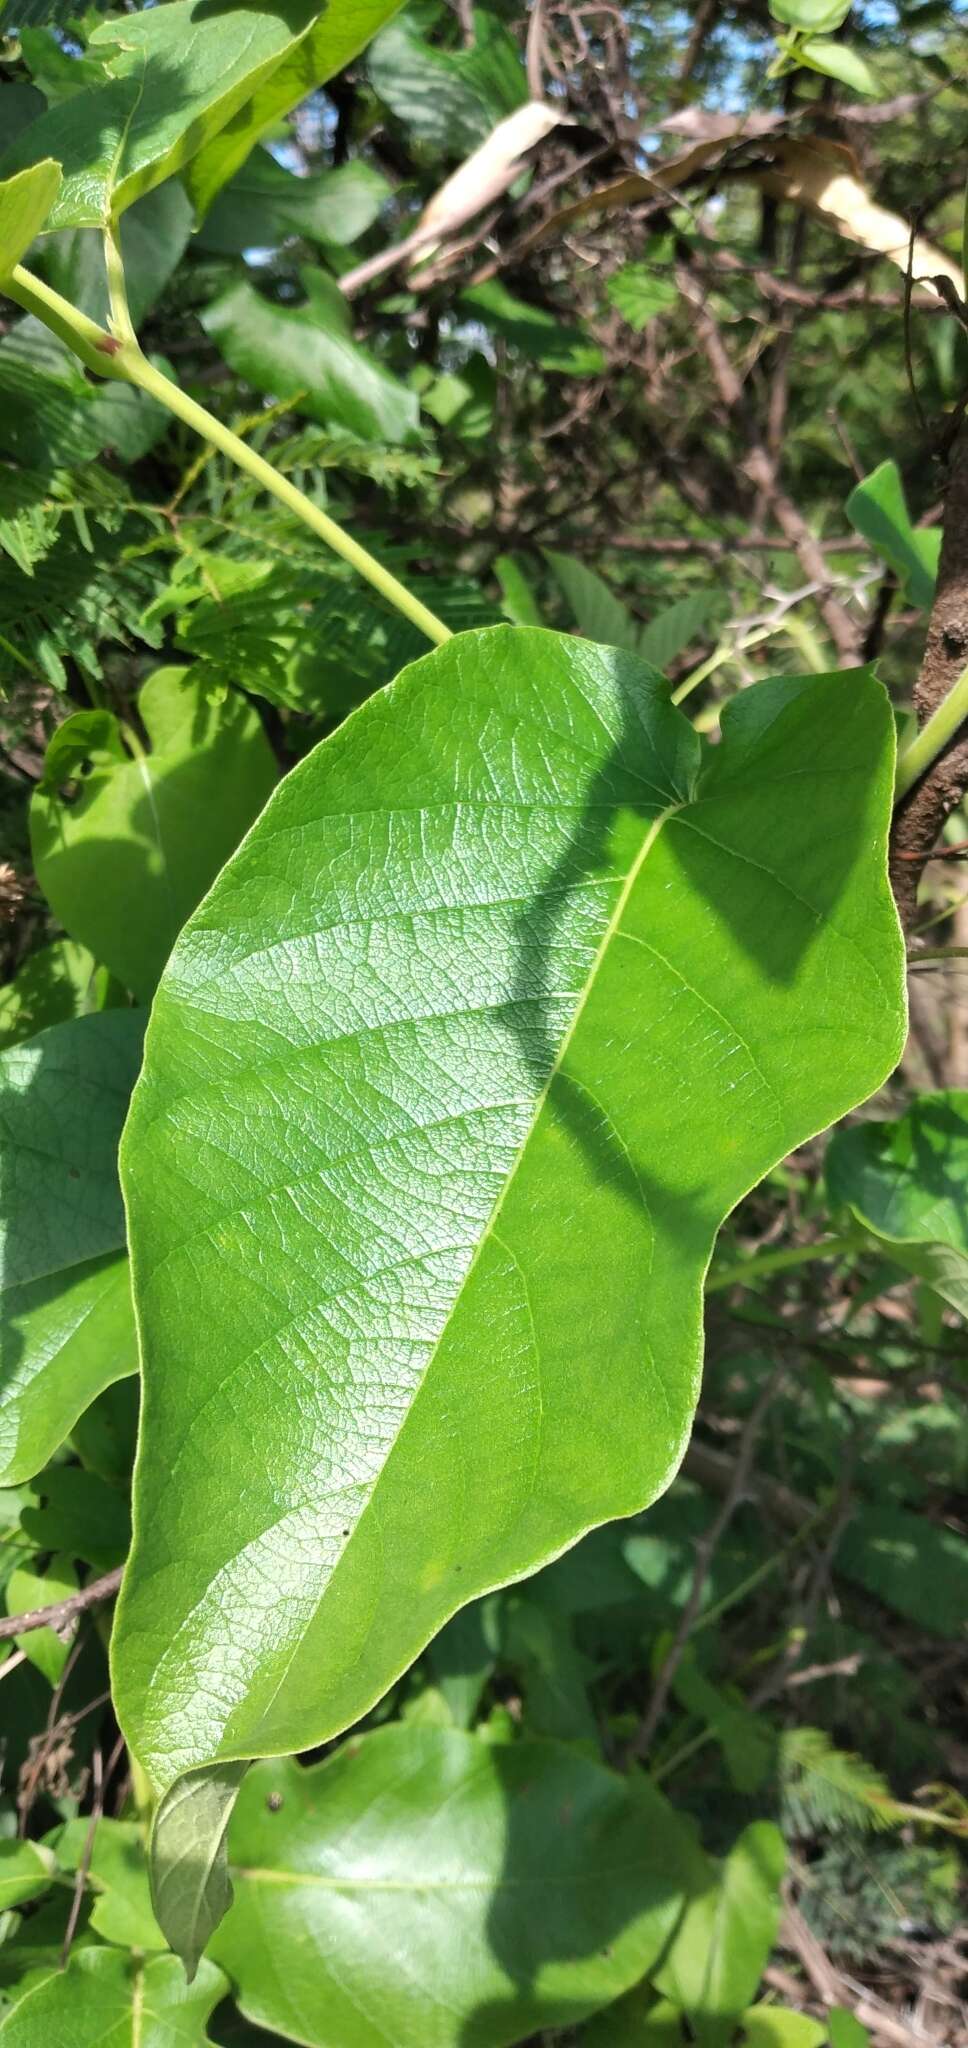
(112, 357)
(925, 953)
(122, 325)
(933, 737)
(747, 1271)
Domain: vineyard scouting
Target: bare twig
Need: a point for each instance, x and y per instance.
(62, 1611)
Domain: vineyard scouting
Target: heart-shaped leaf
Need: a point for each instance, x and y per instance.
(510, 995)
(124, 855)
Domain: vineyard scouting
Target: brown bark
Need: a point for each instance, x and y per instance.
(920, 818)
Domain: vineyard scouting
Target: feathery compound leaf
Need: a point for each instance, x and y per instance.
(506, 968)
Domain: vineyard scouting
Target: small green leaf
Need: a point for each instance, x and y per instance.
(25, 202)
(26, 1870)
(907, 1182)
(508, 966)
(105, 1997)
(264, 203)
(639, 292)
(720, 1949)
(811, 16)
(777, 2026)
(523, 1884)
(63, 1338)
(80, 1515)
(877, 509)
(27, 1589)
(537, 334)
(672, 630)
(190, 1887)
(63, 1098)
(53, 985)
(125, 861)
(306, 354)
(518, 599)
(845, 2029)
(598, 613)
(117, 1875)
(840, 61)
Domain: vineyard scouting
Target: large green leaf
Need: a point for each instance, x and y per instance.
(25, 202)
(309, 350)
(63, 1097)
(334, 39)
(436, 1891)
(176, 75)
(63, 1338)
(508, 998)
(107, 1999)
(126, 854)
(907, 1181)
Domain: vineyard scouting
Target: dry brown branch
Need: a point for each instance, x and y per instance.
(62, 1611)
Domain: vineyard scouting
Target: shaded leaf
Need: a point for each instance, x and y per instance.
(127, 857)
(509, 946)
(907, 1182)
(26, 1589)
(53, 985)
(264, 203)
(190, 1886)
(306, 354)
(537, 334)
(449, 99)
(63, 1098)
(639, 292)
(63, 1338)
(598, 613)
(118, 1877)
(26, 1870)
(524, 1886)
(721, 1947)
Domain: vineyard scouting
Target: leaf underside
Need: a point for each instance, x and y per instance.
(508, 997)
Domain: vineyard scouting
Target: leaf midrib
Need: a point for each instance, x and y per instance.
(611, 928)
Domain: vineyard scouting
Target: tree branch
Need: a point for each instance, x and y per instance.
(62, 1611)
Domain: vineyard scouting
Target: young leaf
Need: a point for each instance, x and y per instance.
(504, 1003)
(25, 202)
(907, 1181)
(671, 630)
(523, 1884)
(125, 861)
(105, 1996)
(63, 1098)
(598, 613)
(63, 1338)
(190, 1886)
(307, 353)
(719, 1950)
(918, 1567)
(840, 61)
